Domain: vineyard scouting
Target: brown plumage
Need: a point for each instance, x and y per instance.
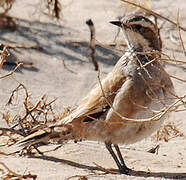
(135, 90)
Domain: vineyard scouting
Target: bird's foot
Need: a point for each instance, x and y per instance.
(124, 170)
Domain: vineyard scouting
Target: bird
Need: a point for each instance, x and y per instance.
(122, 107)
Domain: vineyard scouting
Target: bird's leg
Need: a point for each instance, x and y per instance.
(120, 157)
(121, 166)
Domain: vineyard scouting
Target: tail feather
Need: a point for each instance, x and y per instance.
(37, 137)
(57, 133)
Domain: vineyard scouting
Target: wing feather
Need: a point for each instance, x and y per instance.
(95, 102)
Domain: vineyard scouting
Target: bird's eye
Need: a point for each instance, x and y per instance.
(138, 27)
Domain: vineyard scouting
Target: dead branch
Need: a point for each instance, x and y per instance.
(11, 174)
(36, 47)
(6, 5)
(167, 132)
(92, 43)
(57, 9)
(15, 91)
(12, 72)
(32, 118)
(155, 14)
(53, 7)
(4, 53)
(177, 78)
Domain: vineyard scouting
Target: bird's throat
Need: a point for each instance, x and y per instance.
(143, 54)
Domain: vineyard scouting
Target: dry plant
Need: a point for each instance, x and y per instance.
(53, 8)
(35, 47)
(167, 132)
(92, 43)
(50, 8)
(6, 21)
(33, 117)
(6, 116)
(6, 173)
(3, 53)
(6, 5)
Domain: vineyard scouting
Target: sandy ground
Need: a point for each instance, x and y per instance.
(67, 41)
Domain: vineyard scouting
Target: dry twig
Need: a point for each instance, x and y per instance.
(167, 132)
(92, 43)
(34, 117)
(53, 7)
(12, 72)
(6, 21)
(36, 47)
(6, 5)
(155, 14)
(3, 53)
(9, 174)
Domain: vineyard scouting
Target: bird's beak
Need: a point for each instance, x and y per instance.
(117, 23)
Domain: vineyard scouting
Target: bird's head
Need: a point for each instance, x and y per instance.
(140, 32)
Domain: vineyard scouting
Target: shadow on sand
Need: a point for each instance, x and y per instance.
(53, 40)
(166, 175)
